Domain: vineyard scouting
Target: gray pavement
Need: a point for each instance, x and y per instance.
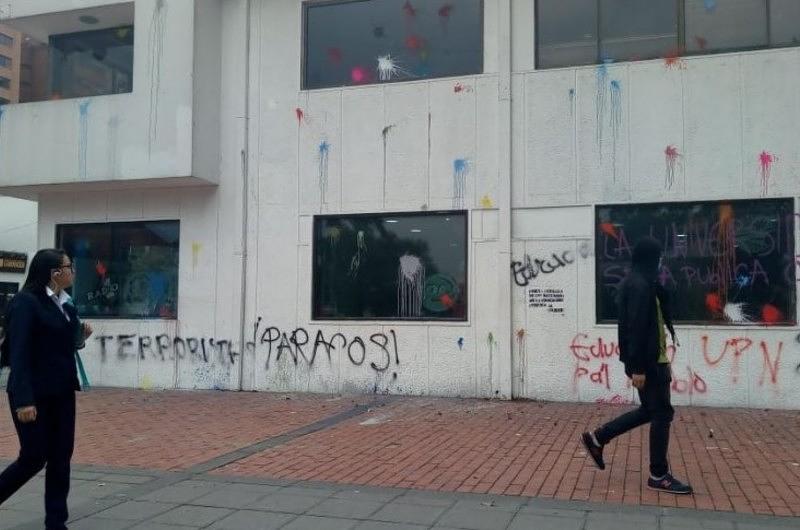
(122, 498)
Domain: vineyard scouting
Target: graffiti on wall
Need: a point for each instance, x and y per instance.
(524, 272)
(379, 351)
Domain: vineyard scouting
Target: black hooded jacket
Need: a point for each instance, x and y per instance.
(638, 320)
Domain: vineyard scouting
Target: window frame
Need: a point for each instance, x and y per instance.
(8, 38)
(307, 4)
(60, 244)
(680, 45)
(426, 213)
(795, 321)
(8, 60)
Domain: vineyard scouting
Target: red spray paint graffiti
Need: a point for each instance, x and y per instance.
(766, 161)
(738, 346)
(300, 114)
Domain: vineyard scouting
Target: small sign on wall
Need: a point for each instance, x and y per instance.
(13, 262)
(550, 299)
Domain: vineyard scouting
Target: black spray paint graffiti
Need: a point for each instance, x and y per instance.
(525, 272)
(379, 348)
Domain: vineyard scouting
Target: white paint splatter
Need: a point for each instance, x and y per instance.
(388, 68)
(735, 313)
(410, 284)
(361, 250)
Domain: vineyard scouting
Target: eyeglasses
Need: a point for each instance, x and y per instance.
(71, 267)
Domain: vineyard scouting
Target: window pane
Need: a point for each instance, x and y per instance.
(124, 270)
(6, 40)
(566, 32)
(4, 101)
(72, 54)
(634, 30)
(726, 262)
(392, 266)
(785, 22)
(725, 25)
(371, 41)
(5, 62)
(5, 82)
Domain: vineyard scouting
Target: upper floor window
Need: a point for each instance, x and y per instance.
(4, 101)
(580, 32)
(5, 82)
(5, 62)
(6, 40)
(75, 54)
(356, 42)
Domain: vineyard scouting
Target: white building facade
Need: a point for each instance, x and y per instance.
(417, 197)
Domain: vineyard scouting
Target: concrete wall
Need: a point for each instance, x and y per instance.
(720, 111)
(145, 134)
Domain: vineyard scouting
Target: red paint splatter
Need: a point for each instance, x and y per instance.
(702, 43)
(610, 230)
(335, 55)
(359, 74)
(766, 161)
(409, 9)
(446, 10)
(414, 42)
(521, 333)
(101, 269)
(447, 300)
(674, 60)
(671, 156)
(771, 314)
(714, 303)
(458, 88)
(300, 115)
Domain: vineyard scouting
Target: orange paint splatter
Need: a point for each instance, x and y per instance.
(771, 314)
(101, 269)
(610, 230)
(714, 303)
(447, 300)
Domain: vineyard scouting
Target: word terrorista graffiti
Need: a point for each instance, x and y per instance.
(525, 272)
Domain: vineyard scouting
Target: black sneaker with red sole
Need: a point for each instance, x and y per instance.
(669, 484)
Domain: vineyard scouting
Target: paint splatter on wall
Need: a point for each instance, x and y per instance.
(83, 136)
(410, 285)
(196, 249)
(388, 68)
(323, 153)
(460, 171)
(601, 78)
(710, 5)
(616, 122)
(765, 161)
(155, 53)
(358, 255)
(671, 156)
(486, 202)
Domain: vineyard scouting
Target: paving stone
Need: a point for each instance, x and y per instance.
(157, 526)
(253, 520)
(649, 520)
(308, 522)
(473, 519)
(507, 504)
(234, 496)
(527, 521)
(135, 510)
(12, 518)
(345, 508)
(312, 491)
(279, 502)
(409, 513)
(681, 523)
(192, 516)
(613, 525)
(97, 523)
(125, 479)
(373, 495)
(377, 525)
(182, 492)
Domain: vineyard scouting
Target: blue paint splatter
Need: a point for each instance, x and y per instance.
(1, 121)
(460, 343)
(460, 170)
(324, 150)
(601, 77)
(616, 121)
(742, 280)
(710, 5)
(83, 136)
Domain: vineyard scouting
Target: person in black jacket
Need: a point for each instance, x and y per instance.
(41, 336)
(644, 313)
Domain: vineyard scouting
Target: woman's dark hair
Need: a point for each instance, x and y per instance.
(42, 265)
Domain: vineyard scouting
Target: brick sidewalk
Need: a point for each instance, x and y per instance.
(175, 430)
(751, 464)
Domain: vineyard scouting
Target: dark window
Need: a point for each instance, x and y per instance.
(124, 270)
(6, 40)
(5, 82)
(725, 262)
(579, 32)
(92, 63)
(7, 292)
(5, 62)
(373, 41)
(4, 101)
(391, 266)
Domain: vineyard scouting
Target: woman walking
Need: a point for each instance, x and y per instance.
(42, 334)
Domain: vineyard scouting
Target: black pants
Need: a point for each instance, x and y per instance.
(655, 409)
(49, 440)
